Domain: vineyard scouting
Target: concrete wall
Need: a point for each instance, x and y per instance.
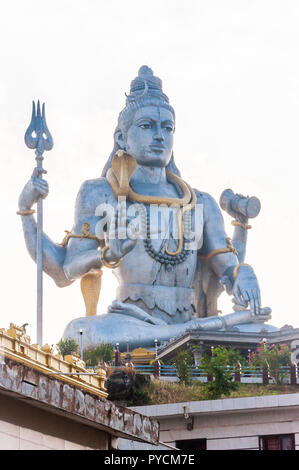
(233, 430)
(26, 427)
(125, 444)
(38, 388)
(230, 423)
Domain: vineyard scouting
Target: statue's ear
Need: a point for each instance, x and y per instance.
(119, 139)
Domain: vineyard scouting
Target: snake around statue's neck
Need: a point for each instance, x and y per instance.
(119, 176)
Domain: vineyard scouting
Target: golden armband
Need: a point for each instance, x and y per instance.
(239, 224)
(229, 248)
(85, 234)
(26, 212)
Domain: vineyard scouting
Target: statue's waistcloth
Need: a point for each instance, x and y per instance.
(166, 298)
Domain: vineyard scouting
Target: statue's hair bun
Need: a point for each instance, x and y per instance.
(146, 84)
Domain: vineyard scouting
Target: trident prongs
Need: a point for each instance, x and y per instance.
(42, 140)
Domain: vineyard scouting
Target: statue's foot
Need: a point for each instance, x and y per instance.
(133, 311)
(226, 322)
(263, 316)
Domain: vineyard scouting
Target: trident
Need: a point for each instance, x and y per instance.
(39, 138)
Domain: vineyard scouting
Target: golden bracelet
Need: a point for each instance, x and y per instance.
(229, 248)
(239, 224)
(106, 263)
(26, 212)
(236, 269)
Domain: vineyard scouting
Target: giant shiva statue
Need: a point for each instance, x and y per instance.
(164, 240)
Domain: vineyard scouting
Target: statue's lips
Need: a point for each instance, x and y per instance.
(157, 148)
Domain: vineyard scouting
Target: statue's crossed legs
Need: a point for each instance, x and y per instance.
(126, 323)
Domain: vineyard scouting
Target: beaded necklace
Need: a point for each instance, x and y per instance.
(161, 255)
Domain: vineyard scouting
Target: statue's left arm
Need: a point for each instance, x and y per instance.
(239, 279)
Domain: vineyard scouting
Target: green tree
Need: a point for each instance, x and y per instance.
(216, 365)
(183, 362)
(67, 346)
(102, 353)
(275, 358)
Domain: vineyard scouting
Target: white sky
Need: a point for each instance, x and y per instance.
(231, 71)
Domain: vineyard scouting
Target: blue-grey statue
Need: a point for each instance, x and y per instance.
(171, 268)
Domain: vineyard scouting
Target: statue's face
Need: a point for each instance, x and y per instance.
(150, 137)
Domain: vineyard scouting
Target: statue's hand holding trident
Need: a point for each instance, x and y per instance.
(39, 138)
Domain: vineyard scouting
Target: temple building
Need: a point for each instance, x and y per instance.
(200, 342)
(48, 402)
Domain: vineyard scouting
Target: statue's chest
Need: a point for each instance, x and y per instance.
(139, 267)
(164, 254)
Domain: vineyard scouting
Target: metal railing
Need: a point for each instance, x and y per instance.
(245, 374)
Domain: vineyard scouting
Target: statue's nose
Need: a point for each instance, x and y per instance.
(159, 134)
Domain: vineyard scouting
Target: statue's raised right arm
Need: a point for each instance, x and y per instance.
(53, 253)
(80, 255)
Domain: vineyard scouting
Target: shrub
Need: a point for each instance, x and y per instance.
(139, 398)
(216, 365)
(102, 353)
(183, 362)
(67, 346)
(273, 357)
